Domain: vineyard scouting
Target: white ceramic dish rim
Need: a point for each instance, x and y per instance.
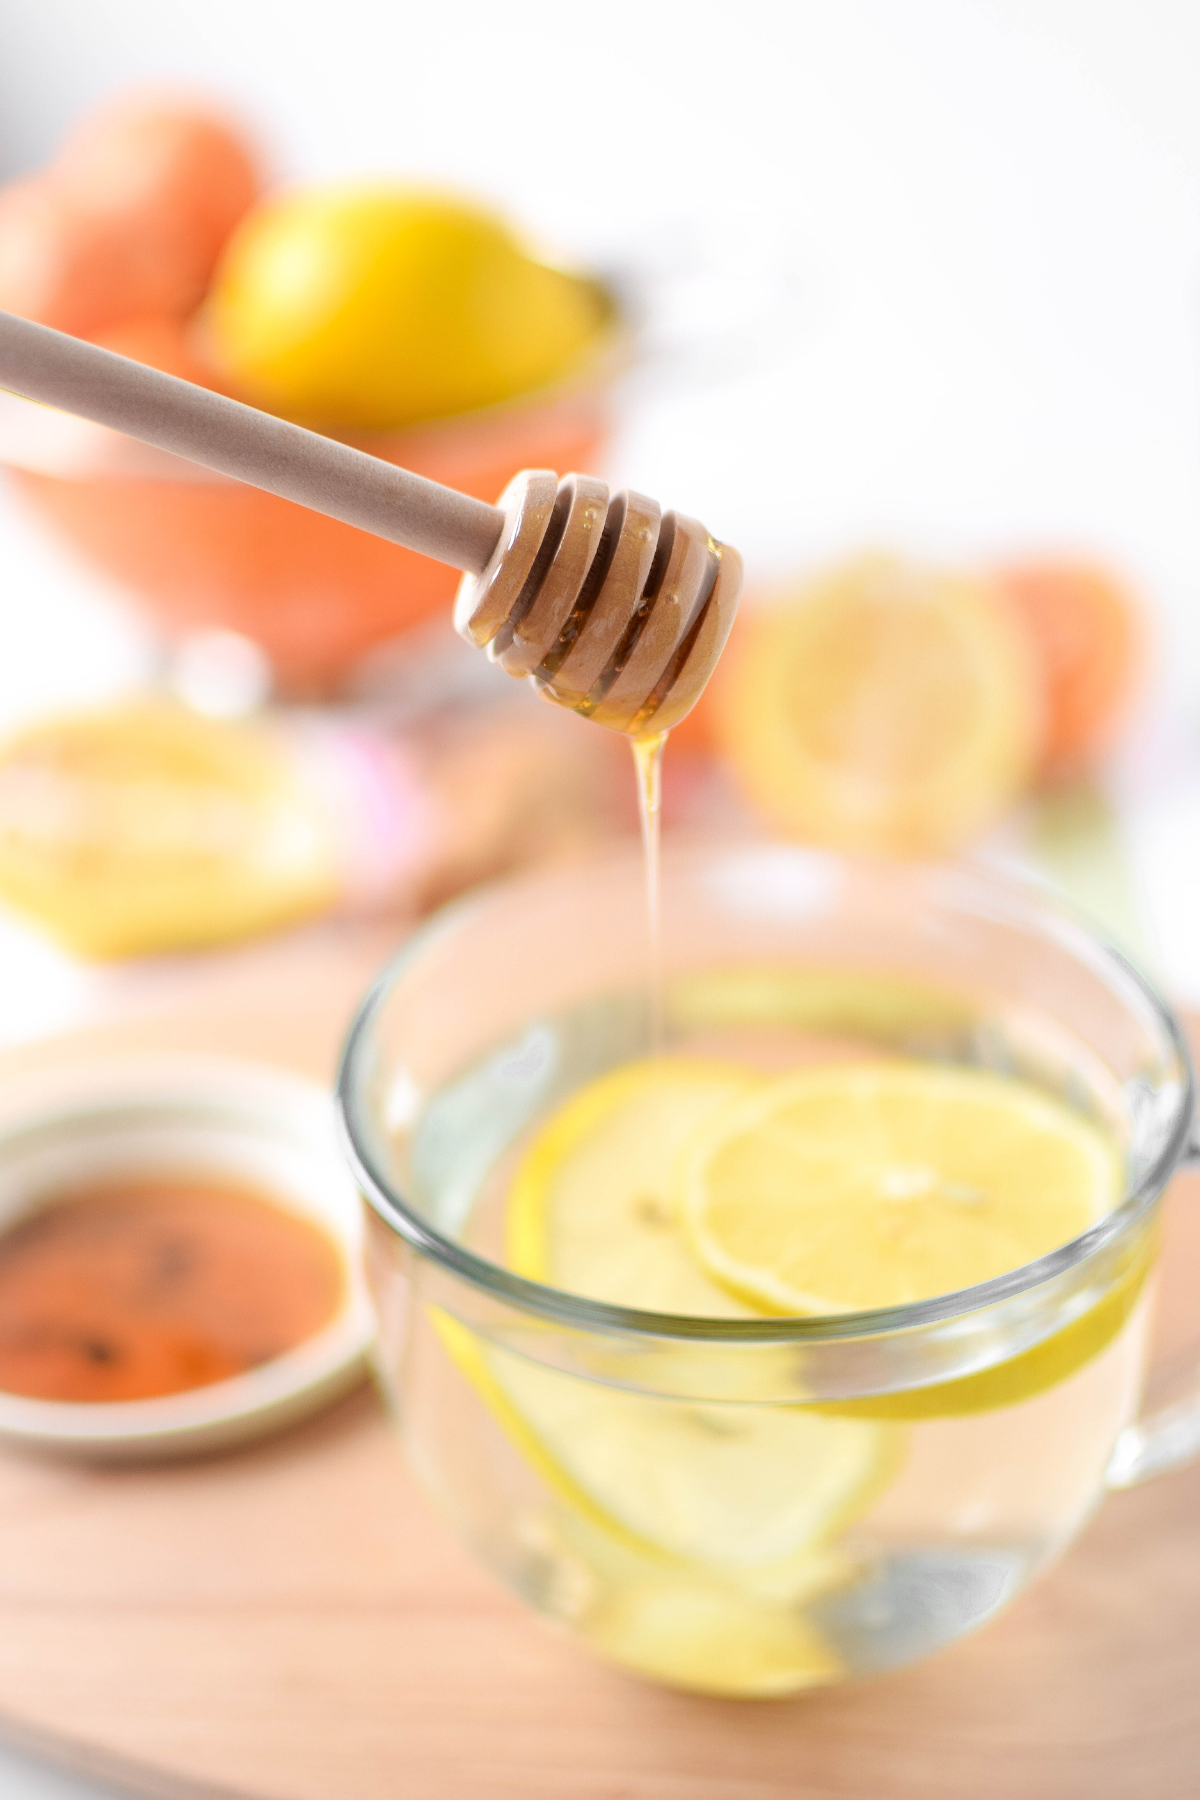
(258, 1099)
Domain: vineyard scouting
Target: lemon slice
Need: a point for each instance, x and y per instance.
(749, 1492)
(853, 1187)
(695, 1636)
(593, 1205)
(885, 707)
(143, 827)
(745, 1493)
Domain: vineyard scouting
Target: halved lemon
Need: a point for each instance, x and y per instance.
(885, 707)
(374, 307)
(859, 1186)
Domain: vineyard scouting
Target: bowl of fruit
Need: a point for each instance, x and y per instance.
(409, 321)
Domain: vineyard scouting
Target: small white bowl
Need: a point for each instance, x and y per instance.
(205, 1115)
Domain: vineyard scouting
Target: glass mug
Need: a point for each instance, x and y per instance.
(753, 1506)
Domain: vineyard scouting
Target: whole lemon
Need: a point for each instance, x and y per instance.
(375, 307)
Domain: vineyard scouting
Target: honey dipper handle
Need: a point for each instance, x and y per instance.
(236, 440)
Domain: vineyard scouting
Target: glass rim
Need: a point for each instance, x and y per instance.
(1033, 905)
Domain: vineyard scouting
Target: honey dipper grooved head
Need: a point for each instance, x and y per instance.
(615, 609)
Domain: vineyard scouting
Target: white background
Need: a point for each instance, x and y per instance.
(986, 214)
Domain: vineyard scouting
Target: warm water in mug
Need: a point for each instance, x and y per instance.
(725, 1518)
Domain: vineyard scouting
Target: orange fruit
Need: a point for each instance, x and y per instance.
(883, 707)
(175, 179)
(1087, 633)
(129, 222)
(58, 265)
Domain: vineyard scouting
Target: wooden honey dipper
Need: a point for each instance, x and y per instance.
(614, 609)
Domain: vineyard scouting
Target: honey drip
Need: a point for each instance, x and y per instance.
(647, 758)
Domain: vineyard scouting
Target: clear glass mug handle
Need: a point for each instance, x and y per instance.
(1167, 1433)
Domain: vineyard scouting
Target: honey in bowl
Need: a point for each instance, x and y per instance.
(137, 1288)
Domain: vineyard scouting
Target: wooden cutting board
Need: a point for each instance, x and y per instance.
(293, 1623)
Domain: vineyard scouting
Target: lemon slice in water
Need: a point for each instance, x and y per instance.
(693, 1635)
(749, 1495)
(873, 1185)
(593, 1207)
(753, 1492)
(699, 1530)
